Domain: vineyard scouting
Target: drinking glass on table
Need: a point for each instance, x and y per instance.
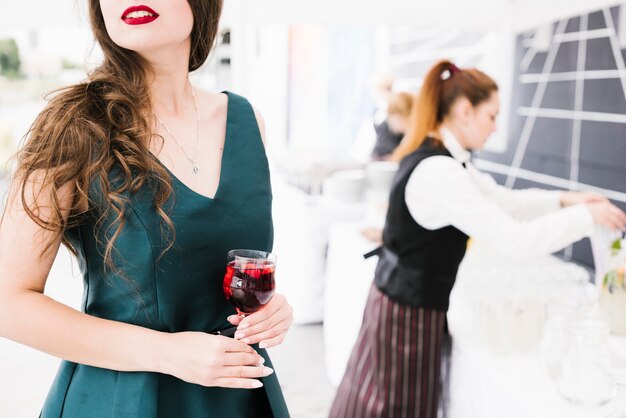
(619, 402)
(249, 279)
(585, 377)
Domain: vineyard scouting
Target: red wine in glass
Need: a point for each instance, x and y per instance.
(249, 279)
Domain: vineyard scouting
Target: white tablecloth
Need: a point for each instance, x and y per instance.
(484, 384)
(301, 230)
(348, 279)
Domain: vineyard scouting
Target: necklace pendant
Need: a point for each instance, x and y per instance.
(195, 170)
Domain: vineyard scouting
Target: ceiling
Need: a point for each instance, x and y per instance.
(482, 15)
(479, 15)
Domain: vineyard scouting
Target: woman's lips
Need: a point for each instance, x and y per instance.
(139, 20)
(139, 15)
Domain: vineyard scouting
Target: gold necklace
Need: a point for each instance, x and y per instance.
(193, 160)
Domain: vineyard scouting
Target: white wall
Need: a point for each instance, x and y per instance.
(499, 61)
(267, 73)
(463, 14)
(33, 14)
(426, 13)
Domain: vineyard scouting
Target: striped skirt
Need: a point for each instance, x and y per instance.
(394, 370)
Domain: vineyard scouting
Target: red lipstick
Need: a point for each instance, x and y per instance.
(139, 15)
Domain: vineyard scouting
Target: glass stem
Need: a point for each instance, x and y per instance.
(620, 397)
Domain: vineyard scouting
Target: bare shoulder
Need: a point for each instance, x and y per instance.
(215, 105)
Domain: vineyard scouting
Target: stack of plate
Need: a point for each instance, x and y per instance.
(345, 186)
(380, 175)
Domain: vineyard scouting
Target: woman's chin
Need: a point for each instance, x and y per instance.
(146, 43)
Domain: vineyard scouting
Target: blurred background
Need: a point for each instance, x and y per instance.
(324, 74)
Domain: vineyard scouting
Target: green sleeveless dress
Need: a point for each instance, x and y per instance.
(180, 291)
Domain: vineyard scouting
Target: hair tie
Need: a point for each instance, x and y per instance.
(450, 72)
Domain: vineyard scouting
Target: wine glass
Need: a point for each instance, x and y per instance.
(619, 402)
(249, 279)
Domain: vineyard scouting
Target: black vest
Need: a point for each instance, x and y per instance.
(417, 266)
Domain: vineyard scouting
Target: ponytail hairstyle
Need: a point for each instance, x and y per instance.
(90, 128)
(442, 86)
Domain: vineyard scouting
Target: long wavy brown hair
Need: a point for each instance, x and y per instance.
(88, 129)
(435, 100)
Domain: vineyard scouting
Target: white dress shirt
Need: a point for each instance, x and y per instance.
(514, 223)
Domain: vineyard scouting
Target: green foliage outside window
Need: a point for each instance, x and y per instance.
(9, 58)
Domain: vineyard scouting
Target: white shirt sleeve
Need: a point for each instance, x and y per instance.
(440, 192)
(524, 204)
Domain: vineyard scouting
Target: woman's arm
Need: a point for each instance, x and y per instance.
(521, 204)
(526, 204)
(440, 192)
(29, 317)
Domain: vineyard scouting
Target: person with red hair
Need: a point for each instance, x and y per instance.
(438, 199)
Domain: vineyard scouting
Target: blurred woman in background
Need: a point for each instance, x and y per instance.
(149, 181)
(390, 132)
(438, 200)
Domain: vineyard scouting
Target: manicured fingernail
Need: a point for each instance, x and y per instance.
(263, 345)
(246, 340)
(257, 384)
(261, 360)
(231, 318)
(239, 335)
(243, 325)
(267, 371)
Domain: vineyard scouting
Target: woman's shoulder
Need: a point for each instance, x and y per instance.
(434, 162)
(218, 104)
(214, 104)
(429, 148)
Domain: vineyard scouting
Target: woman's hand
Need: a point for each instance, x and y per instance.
(606, 214)
(212, 360)
(603, 211)
(268, 326)
(575, 198)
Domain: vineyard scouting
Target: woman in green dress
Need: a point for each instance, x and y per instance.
(149, 182)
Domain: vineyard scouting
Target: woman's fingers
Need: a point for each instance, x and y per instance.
(243, 359)
(277, 302)
(270, 327)
(249, 372)
(235, 383)
(265, 334)
(266, 324)
(231, 345)
(618, 218)
(212, 360)
(273, 342)
(269, 323)
(235, 319)
(594, 197)
(607, 214)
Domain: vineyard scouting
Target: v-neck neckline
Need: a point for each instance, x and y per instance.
(222, 166)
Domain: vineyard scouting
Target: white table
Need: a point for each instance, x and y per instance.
(484, 384)
(301, 228)
(348, 280)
